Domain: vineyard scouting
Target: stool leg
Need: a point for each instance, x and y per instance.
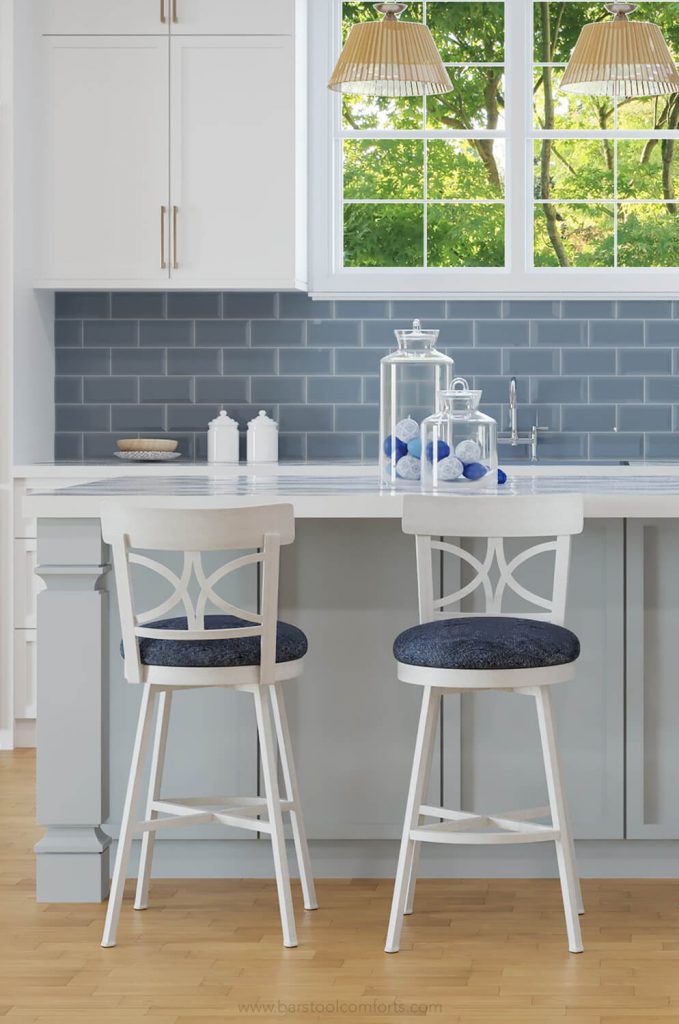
(280, 718)
(127, 826)
(412, 881)
(557, 804)
(424, 745)
(273, 802)
(148, 839)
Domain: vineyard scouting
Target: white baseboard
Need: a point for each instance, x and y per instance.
(24, 732)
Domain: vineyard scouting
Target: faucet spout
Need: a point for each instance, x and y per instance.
(513, 411)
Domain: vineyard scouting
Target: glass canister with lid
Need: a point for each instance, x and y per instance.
(459, 443)
(411, 379)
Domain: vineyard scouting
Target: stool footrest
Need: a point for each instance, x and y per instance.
(240, 812)
(462, 827)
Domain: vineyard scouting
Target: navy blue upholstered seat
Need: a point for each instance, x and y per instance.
(486, 642)
(291, 644)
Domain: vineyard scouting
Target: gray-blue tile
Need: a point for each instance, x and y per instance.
(357, 417)
(249, 304)
(530, 361)
(277, 333)
(137, 360)
(278, 389)
(480, 361)
(81, 305)
(110, 333)
(616, 389)
(588, 360)
(371, 444)
(502, 333)
(111, 389)
(102, 445)
(662, 389)
(166, 389)
(75, 361)
(616, 446)
(305, 417)
(547, 416)
(137, 417)
(616, 333)
(554, 445)
(496, 389)
(194, 361)
(588, 417)
(68, 447)
(561, 333)
(418, 309)
(191, 417)
(663, 332)
(358, 360)
(221, 333)
(646, 309)
(194, 305)
(334, 389)
(371, 389)
(641, 361)
(461, 309)
(361, 309)
(83, 417)
(558, 389)
(321, 447)
(305, 360)
(222, 389)
(294, 305)
(529, 309)
(662, 446)
(166, 333)
(335, 333)
(138, 305)
(246, 360)
(587, 309)
(645, 417)
(291, 447)
(68, 333)
(68, 389)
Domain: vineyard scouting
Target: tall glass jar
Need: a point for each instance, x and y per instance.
(459, 443)
(410, 381)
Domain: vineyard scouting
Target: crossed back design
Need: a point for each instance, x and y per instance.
(193, 589)
(492, 576)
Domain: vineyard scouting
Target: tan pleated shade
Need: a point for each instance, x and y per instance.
(390, 58)
(621, 58)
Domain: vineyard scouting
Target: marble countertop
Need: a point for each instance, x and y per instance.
(339, 490)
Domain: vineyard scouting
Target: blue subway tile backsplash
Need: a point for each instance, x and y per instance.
(601, 376)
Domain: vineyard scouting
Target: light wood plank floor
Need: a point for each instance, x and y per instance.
(474, 951)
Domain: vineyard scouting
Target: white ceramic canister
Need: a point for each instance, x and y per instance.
(222, 439)
(262, 443)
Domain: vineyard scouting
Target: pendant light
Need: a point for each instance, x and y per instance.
(621, 58)
(390, 58)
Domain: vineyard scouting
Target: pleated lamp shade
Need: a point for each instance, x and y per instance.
(621, 58)
(390, 58)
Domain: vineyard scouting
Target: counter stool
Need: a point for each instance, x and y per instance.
(239, 649)
(453, 651)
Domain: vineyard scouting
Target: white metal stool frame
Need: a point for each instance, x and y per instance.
(495, 518)
(260, 530)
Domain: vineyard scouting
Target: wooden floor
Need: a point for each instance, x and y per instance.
(474, 951)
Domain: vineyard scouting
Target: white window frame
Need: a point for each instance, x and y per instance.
(518, 279)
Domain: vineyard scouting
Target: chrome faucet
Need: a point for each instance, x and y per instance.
(515, 439)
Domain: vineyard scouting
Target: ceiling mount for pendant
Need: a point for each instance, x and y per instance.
(621, 58)
(390, 58)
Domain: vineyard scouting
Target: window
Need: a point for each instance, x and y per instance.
(504, 184)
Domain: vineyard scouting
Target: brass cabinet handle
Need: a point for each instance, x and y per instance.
(175, 212)
(163, 261)
(175, 19)
(163, 19)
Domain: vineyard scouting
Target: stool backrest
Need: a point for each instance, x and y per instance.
(259, 530)
(495, 518)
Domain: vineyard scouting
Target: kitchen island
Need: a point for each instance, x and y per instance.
(349, 582)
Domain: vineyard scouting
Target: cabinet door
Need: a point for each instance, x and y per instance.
(102, 17)
(652, 690)
(103, 175)
(233, 161)
(232, 17)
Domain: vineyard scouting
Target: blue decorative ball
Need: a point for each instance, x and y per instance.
(474, 471)
(501, 476)
(408, 468)
(450, 468)
(468, 451)
(415, 447)
(395, 447)
(442, 451)
(406, 429)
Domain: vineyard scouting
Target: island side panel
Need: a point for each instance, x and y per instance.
(72, 858)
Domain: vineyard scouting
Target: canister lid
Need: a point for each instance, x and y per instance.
(223, 420)
(262, 422)
(459, 397)
(417, 337)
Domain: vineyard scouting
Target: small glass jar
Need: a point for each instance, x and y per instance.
(411, 379)
(459, 443)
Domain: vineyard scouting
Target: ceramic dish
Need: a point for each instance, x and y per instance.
(148, 456)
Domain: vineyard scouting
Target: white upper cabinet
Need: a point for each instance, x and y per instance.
(233, 160)
(103, 174)
(103, 17)
(231, 17)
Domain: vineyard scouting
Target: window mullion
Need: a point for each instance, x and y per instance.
(518, 110)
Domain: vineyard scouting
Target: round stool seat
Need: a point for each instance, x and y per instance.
(291, 644)
(486, 642)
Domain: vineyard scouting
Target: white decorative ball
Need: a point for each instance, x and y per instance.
(408, 468)
(468, 451)
(406, 429)
(449, 468)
